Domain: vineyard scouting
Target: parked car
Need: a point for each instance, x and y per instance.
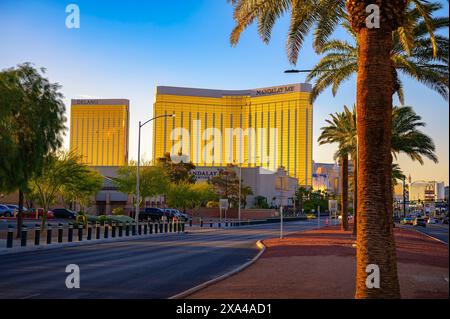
(5, 211)
(64, 213)
(16, 208)
(407, 221)
(433, 221)
(37, 213)
(179, 215)
(184, 216)
(420, 222)
(151, 213)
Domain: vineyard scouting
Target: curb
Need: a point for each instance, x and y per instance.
(190, 291)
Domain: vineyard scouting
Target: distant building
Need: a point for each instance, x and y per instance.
(326, 177)
(446, 192)
(99, 131)
(278, 188)
(427, 191)
(273, 126)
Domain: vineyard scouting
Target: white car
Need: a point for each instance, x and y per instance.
(433, 221)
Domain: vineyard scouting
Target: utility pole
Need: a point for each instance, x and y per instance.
(281, 222)
(404, 196)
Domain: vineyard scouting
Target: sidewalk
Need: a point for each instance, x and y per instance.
(320, 264)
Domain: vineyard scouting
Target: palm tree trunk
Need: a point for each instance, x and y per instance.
(355, 195)
(344, 190)
(376, 244)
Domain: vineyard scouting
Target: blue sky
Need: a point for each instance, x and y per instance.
(124, 49)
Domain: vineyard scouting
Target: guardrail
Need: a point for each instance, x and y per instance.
(56, 234)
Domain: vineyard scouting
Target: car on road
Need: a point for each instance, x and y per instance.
(420, 222)
(5, 211)
(407, 221)
(183, 216)
(16, 208)
(64, 213)
(175, 213)
(433, 221)
(151, 213)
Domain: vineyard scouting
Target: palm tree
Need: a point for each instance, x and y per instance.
(341, 129)
(397, 174)
(375, 87)
(340, 60)
(406, 139)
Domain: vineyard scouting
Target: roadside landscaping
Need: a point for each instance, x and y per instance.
(320, 264)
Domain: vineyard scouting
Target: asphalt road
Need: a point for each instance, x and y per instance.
(151, 268)
(437, 231)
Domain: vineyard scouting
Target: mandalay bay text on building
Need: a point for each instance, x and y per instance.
(268, 127)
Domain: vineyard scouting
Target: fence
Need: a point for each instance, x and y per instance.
(57, 234)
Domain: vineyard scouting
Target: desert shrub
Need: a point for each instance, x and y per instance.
(212, 204)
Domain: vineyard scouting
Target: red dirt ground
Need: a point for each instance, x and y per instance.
(321, 264)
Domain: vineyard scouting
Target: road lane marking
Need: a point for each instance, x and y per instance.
(30, 296)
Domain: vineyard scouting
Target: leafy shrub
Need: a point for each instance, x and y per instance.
(212, 205)
(114, 218)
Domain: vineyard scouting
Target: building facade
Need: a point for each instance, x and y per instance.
(278, 188)
(99, 130)
(326, 177)
(427, 191)
(268, 128)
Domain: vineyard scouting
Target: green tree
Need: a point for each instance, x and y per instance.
(375, 87)
(412, 55)
(316, 199)
(397, 174)
(261, 202)
(302, 194)
(226, 185)
(406, 138)
(31, 126)
(202, 194)
(185, 195)
(179, 195)
(153, 180)
(60, 175)
(82, 192)
(177, 172)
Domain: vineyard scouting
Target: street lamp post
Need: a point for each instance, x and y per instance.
(240, 186)
(404, 196)
(139, 162)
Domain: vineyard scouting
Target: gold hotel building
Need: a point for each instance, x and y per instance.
(276, 125)
(99, 131)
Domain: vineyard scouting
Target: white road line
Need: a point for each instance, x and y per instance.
(30, 296)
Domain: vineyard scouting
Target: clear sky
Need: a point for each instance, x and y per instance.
(124, 49)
